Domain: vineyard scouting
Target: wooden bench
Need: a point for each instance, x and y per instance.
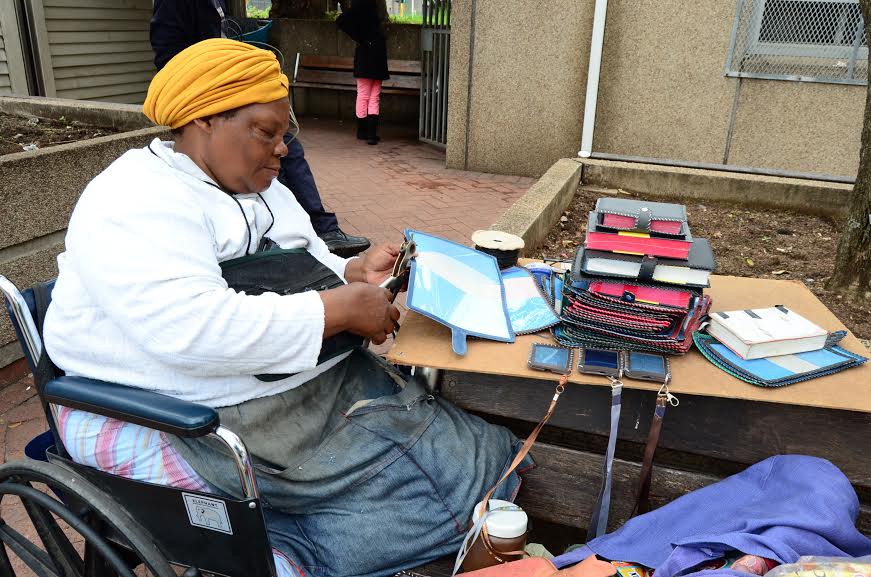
(337, 73)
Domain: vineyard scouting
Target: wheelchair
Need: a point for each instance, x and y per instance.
(122, 527)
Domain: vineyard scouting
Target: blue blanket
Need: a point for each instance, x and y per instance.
(781, 508)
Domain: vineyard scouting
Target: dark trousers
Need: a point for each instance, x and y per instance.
(296, 175)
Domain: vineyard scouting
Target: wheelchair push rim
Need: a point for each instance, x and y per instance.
(80, 531)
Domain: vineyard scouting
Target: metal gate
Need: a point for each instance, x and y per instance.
(435, 58)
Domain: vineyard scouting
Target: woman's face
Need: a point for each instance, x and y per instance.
(244, 149)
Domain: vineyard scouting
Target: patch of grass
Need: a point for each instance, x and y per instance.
(407, 19)
(394, 19)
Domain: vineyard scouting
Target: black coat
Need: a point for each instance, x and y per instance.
(177, 24)
(362, 24)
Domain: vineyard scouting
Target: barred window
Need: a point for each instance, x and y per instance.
(814, 41)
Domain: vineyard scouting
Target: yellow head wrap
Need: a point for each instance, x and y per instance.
(211, 77)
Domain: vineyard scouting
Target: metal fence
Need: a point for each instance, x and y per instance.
(812, 41)
(435, 44)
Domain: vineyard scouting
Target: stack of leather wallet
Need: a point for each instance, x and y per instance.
(637, 283)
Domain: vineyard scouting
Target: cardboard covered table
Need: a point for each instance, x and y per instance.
(721, 425)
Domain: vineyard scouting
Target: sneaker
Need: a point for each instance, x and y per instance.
(343, 244)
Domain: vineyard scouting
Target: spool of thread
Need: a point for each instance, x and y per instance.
(502, 245)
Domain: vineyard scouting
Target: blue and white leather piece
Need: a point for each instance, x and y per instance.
(460, 288)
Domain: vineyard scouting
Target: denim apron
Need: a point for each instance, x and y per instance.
(361, 471)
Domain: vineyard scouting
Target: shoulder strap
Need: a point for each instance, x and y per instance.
(480, 528)
(663, 399)
(599, 521)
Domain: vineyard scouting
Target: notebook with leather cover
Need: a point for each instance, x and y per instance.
(693, 272)
(631, 290)
(641, 293)
(634, 242)
(654, 217)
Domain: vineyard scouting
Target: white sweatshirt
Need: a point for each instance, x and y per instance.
(140, 299)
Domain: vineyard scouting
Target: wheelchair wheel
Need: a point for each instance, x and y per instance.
(73, 528)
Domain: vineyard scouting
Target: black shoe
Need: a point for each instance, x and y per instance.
(343, 244)
(362, 128)
(373, 129)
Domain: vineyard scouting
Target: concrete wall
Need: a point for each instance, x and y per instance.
(39, 189)
(518, 77)
(799, 126)
(662, 90)
(324, 38)
(663, 93)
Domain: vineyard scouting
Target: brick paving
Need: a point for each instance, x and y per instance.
(376, 191)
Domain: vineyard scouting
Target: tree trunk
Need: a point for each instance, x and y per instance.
(853, 261)
(298, 9)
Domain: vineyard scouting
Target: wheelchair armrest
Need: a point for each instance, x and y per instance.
(133, 405)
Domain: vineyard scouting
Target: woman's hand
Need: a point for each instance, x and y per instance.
(375, 266)
(359, 308)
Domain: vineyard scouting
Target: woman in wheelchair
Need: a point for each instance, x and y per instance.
(191, 271)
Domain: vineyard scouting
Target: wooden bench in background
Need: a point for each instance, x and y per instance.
(337, 73)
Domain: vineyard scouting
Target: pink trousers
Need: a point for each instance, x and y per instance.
(368, 97)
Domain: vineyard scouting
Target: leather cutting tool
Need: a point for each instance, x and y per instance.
(399, 275)
(401, 269)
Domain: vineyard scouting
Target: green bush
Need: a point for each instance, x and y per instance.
(253, 12)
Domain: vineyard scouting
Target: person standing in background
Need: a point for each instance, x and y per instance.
(365, 21)
(177, 24)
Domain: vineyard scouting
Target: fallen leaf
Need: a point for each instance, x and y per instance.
(563, 219)
(779, 272)
(749, 261)
(15, 424)
(766, 238)
(718, 235)
(567, 243)
(779, 249)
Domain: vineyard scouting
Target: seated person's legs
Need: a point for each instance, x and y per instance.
(360, 479)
